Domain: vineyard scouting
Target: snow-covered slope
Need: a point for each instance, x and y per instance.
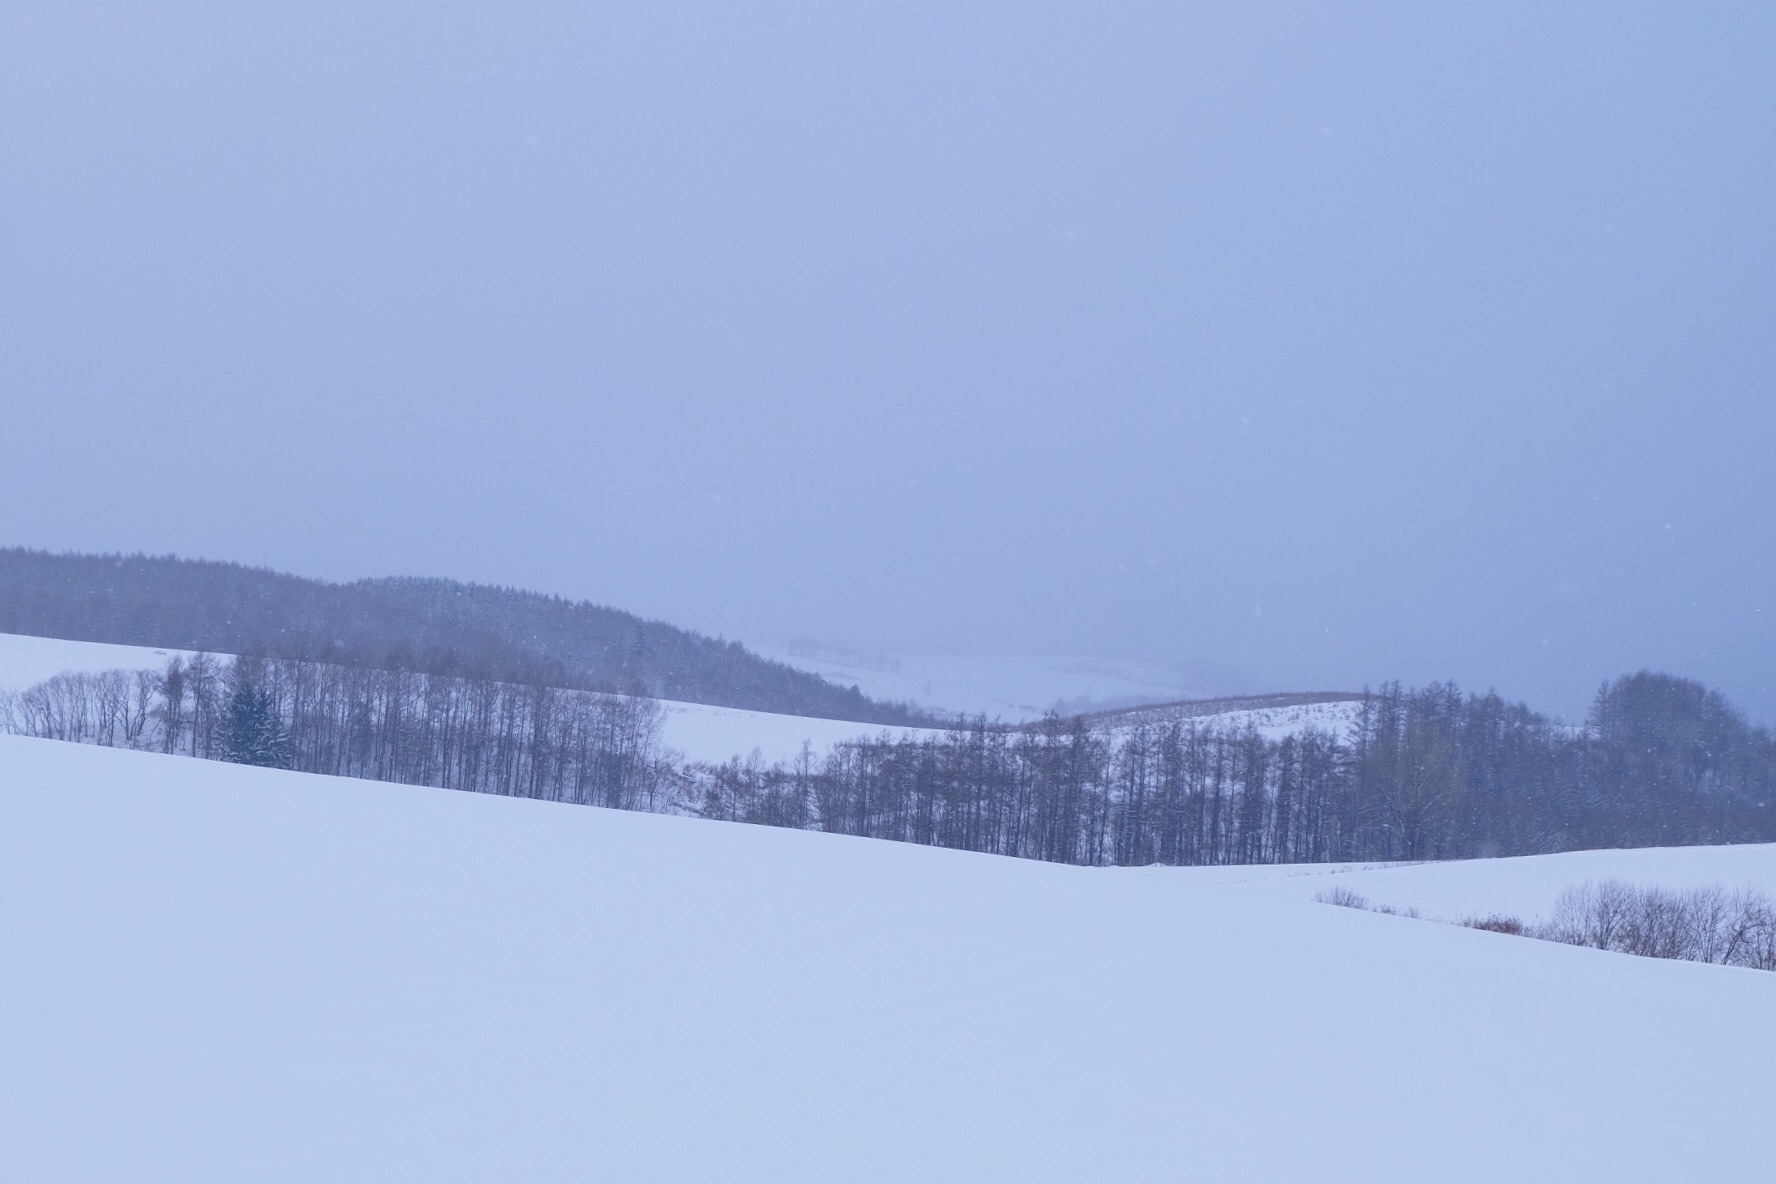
(215, 973)
(25, 661)
(1272, 716)
(1526, 886)
(716, 734)
(1010, 689)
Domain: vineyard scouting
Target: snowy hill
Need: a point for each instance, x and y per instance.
(217, 973)
(435, 625)
(1272, 716)
(716, 734)
(1011, 689)
(28, 660)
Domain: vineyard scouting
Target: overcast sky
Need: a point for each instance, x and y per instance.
(1326, 343)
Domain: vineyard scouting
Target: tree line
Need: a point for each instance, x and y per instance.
(1418, 774)
(1427, 773)
(482, 735)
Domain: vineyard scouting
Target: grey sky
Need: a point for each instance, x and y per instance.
(1331, 343)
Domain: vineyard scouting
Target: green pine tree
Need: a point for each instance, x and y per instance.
(253, 733)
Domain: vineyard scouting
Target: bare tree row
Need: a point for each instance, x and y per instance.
(522, 740)
(1426, 774)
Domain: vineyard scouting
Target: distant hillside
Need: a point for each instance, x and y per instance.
(438, 626)
(1285, 706)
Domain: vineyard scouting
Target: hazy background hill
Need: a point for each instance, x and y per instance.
(434, 625)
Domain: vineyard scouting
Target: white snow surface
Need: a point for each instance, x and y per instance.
(714, 735)
(1526, 887)
(1336, 717)
(1011, 689)
(26, 661)
(216, 973)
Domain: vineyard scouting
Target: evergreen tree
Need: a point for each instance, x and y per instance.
(252, 731)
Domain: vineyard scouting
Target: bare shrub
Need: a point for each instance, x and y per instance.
(1496, 923)
(1705, 924)
(1394, 910)
(1751, 938)
(1349, 898)
(1342, 896)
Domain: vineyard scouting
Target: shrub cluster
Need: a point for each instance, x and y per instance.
(1702, 925)
(1706, 924)
(1349, 898)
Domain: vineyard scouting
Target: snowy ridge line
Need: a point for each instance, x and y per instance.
(1008, 688)
(1268, 706)
(1338, 717)
(436, 625)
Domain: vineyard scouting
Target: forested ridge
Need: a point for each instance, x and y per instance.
(1429, 773)
(432, 626)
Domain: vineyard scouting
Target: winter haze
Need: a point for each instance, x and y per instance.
(1307, 346)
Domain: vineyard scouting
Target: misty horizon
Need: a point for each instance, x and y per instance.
(1314, 346)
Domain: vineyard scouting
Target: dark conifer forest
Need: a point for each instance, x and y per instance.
(429, 626)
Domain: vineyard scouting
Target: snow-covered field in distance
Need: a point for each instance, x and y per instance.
(26, 661)
(715, 735)
(1272, 716)
(1009, 689)
(217, 973)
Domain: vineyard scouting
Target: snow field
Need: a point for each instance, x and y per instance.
(714, 735)
(1012, 689)
(1526, 886)
(222, 973)
(26, 661)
